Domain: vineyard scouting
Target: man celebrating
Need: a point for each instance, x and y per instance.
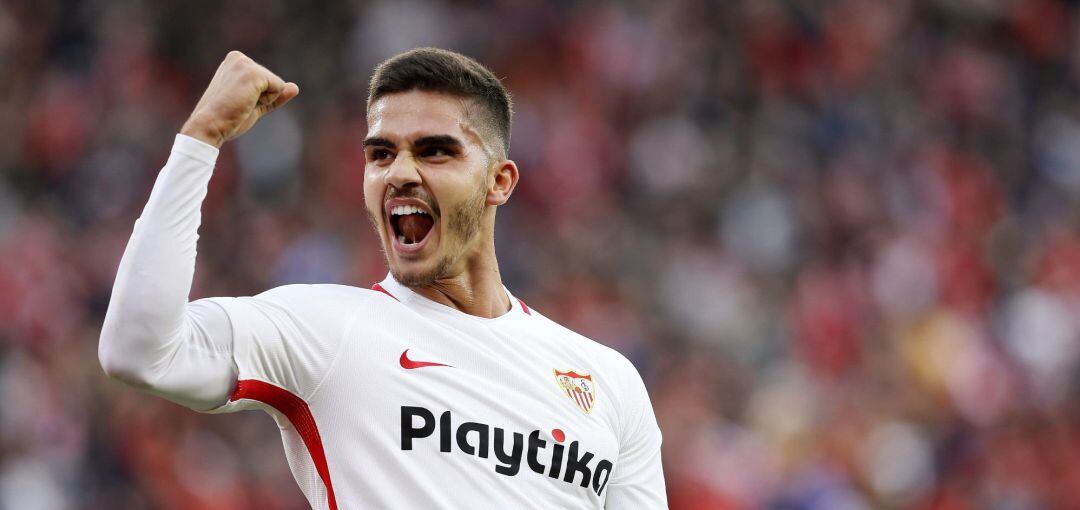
(437, 388)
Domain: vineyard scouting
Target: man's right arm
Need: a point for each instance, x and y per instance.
(152, 337)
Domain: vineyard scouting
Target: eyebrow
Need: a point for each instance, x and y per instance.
(423, 141)
(379, 142)
(444, 140)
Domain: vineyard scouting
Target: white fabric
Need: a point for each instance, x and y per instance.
(151, 336)
(340, 349)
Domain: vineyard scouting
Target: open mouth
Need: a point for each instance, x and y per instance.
(410, 224)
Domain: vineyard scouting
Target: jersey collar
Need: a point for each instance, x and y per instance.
(390, 286)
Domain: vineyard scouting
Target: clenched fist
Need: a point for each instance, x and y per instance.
(240, 93)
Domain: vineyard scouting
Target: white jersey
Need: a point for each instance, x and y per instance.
(385, 399)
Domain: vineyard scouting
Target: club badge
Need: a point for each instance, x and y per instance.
(578, 387)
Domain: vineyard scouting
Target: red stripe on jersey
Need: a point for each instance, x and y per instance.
(296, 410)
(384, 291)
(524, 307)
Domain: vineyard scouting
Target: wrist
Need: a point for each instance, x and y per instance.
(202, 132)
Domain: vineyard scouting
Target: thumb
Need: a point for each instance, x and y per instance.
(289, 91)
(270, 102)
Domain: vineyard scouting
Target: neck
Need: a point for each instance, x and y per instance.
(476, 290)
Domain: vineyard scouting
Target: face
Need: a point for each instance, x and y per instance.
(430, 184)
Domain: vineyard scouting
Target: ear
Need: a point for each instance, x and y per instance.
(504, 180)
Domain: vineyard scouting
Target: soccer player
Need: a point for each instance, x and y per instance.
(437, 388)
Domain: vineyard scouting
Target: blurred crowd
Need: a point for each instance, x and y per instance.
(840, 239)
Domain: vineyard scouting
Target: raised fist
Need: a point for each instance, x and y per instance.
(239, 94)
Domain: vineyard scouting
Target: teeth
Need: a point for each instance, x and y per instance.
(401, 210)
(401, 239)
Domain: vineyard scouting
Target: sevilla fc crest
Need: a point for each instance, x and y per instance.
(579, 387)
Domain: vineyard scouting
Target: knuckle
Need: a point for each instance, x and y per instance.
(252, 72)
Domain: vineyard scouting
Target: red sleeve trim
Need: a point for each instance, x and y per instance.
(384, 291)
(296, 410)
(524, 307)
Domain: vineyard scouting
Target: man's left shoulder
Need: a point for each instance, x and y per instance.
(606, 355)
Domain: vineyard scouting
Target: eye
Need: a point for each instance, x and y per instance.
(436, 153)
(379, 154)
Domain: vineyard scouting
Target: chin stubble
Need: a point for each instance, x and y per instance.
(463, 224)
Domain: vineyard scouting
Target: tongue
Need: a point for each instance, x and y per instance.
(415, 226)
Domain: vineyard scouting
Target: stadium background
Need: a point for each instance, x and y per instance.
(839, 239)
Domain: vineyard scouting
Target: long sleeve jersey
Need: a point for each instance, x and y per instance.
(384, 398)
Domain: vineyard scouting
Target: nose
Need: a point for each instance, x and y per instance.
(402, 172)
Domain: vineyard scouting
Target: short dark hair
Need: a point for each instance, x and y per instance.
(438, 70)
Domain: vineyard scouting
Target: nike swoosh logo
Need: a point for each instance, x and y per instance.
(409, 364)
